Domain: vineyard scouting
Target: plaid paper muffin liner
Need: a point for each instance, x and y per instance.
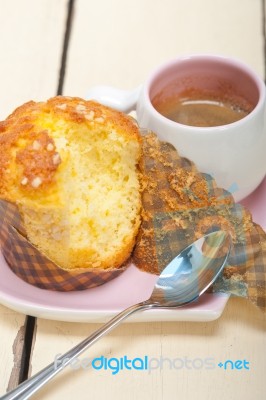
(29, 264)
(180, 205)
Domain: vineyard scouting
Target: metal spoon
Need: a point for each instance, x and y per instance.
(183, 280)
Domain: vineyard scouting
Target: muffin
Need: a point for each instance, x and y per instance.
(71, 168)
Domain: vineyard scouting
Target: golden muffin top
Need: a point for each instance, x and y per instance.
(34, 138)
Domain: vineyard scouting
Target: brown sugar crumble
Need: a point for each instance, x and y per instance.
(39, 161)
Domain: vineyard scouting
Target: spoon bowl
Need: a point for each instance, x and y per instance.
(192, 272)
(181, 282)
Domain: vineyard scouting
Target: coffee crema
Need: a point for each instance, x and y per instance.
(202, 109)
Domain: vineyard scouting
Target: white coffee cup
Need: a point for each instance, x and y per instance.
(234, 154)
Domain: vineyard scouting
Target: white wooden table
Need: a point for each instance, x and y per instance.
(55, 46)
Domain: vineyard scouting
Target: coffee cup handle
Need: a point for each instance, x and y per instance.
(122, 100)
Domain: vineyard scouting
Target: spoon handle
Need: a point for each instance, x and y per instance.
(26, 389)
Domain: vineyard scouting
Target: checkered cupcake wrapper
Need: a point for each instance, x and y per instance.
(181, 205)
(33, 267)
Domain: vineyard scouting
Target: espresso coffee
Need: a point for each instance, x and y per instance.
(203, 109)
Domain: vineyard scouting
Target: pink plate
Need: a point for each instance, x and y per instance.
(101, 303)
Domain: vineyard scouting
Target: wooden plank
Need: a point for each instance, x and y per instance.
(31, 35)
(118, 43)
(31, 38)
(12, 336)
(179, 353)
